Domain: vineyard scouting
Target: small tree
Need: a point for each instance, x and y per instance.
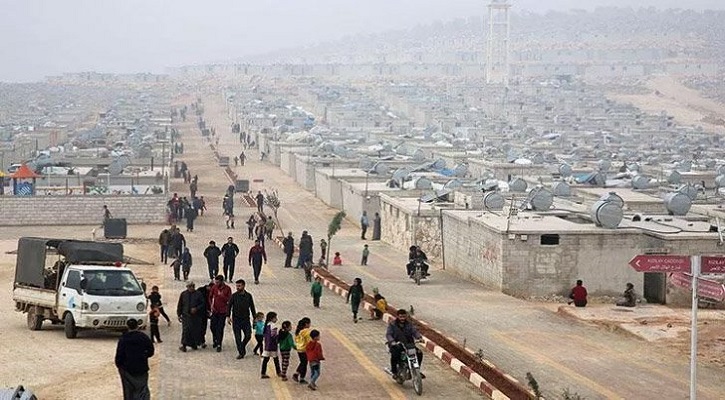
(332, 229)
(272, 201)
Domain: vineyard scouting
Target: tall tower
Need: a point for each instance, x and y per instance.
(497, 51)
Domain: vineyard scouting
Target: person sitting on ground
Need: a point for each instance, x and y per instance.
(381, 305)
(337, 260)
(578, 294)
(629, 298)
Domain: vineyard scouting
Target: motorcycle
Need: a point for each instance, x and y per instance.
(408, 368)
(418, 274)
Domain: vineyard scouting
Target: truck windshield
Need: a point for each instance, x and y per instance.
(111, 283)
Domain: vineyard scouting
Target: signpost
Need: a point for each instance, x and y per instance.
(682, 270)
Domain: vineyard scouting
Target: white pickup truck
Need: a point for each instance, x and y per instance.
(86, 288)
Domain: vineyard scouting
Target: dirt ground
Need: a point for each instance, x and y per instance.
(688, 106)
(45, 361)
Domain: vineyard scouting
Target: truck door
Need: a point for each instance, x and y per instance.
(69, 295)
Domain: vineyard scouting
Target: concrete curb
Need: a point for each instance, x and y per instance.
(455, 364)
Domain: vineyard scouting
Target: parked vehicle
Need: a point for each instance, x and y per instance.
(86, 288)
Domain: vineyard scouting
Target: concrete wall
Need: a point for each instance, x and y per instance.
(305, 172)
(354, 202)
(403, 228)
(288, 163)
(328, 189)
(472, 251)
(80, 210)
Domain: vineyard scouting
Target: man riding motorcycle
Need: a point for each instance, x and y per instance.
(401, 332)
(416, 254)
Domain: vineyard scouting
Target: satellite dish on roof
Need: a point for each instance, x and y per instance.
(518, 185)
(607, 214)
(561, 189)
(721, 170)
(493, 201)
(684, 166)
(418, 155)
(604, 165)
(613, 197)
(366, 164)
(565, 170)
(422, 183)
(688, 190)
(381, 168)
(453, 184)
(677, 203)
(540, 199)
(674, 177)
(400, 174)
(720, 181)
(439, 164)
(460, 170)
(640, 182)
(116, 167)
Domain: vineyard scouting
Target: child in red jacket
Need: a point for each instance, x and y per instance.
(314, 357)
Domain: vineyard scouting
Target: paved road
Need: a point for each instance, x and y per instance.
(355, 353)
(517, 336)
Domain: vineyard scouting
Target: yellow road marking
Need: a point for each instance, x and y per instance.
(281, 391)
(556, 365)
(371, 368)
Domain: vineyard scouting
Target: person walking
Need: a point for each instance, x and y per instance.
(314, 357)
(230, 250)
(240, 311)
(155, 301)
(354, 297)
(323, 248)
(260, 202)
(164, 239)
(286, 344)
(176, 267)
(186, 262)
(133, 350)
(242, 158)
(271, 344)
(288, 244)
(305, 249)
(365, 254)
(258, 326)
(190, 214)
(212, 254)
(302, 338)
(190, 310)
(154, 325)
(177, 242)
(219, 296)
(256, 256)
(316, 292)
(251, 223)
(269, 227)
(204, 290)
(364, 223)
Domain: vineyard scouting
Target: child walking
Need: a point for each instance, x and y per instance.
(176, 265)
(316, 292)
(271, 336)
(302, 338)
(286, 344)
(258, 332)
(354, 297)
(155, 300)
(315, 357)
(365, 254)
(154, 325)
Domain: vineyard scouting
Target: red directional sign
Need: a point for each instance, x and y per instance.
(660, 263)
(712, 264)
(705, 288)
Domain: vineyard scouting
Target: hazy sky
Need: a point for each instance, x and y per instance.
(46, 37)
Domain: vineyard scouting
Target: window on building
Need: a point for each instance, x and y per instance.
(549, 240)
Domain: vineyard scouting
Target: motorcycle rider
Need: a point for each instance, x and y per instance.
(416, 254)
(399, 334)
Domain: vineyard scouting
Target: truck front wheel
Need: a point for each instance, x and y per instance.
(70, 326)
(35, 321)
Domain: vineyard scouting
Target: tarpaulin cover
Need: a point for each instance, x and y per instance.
(32, 251)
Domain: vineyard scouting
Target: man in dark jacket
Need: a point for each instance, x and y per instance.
(219, 296)
(230, 251)
(240, 312)
(204, 290)
(306, 247)
(399, 334)
(132, 354)
(288, 244)
(177, 242)
(212, 253)
(190, 310)
(164, 239)
(256, 256)
(260, 202)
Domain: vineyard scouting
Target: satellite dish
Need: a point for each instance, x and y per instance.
(453, 184)
(422, 183)
(366, 164)
(607, 214)
(460, 170)
(493, 201)
(720, 181)
(677, 203)
(565, 170)
(518, 185)
(115, 168)
(688, 190)
(721, 170)
(418, 155)
(561, 189)
(684, 166)
(640, 182)
(674, 177)
(381, 168)
(540, 199)
(438, 164)
(604, 165)
(400, 174)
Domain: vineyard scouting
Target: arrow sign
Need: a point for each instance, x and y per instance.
(713, 264)
(660, 263)
(705, 288)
